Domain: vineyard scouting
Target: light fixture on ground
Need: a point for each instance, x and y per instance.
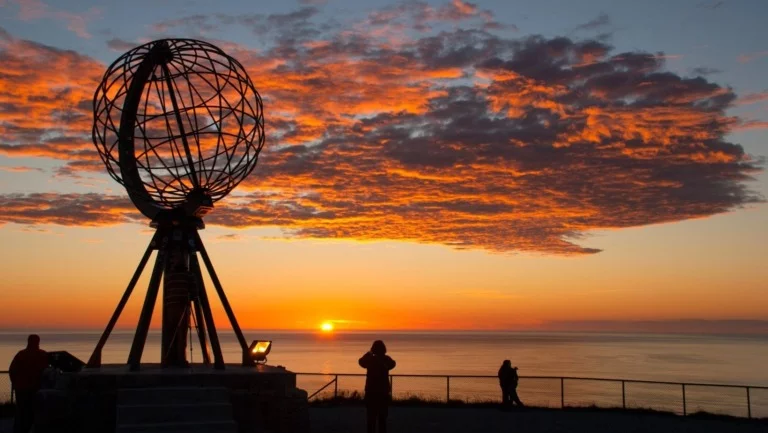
(259, 350)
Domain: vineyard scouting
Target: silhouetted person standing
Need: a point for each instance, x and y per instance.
(377, 390)
(508, 379)
(26, 372)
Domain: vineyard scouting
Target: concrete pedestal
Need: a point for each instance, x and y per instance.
(246, 399)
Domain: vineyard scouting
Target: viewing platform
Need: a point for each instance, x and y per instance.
(238, 398)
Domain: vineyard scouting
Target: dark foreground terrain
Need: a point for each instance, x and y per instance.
(351, 419)
(343, 419)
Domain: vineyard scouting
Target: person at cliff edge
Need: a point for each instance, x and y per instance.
(26, 372)
(377, 389)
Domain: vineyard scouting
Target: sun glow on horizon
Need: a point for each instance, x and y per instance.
(326, 327)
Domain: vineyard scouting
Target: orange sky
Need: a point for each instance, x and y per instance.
(426, 167)
(648, 274)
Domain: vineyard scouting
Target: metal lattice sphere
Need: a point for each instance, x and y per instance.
(179, 123)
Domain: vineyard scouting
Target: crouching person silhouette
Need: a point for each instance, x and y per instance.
(377, 390)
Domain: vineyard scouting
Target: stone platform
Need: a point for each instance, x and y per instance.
(239, 399)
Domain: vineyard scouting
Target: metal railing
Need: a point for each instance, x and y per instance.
(556, 391)
(541, 391)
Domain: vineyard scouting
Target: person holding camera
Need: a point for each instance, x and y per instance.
(378, 392)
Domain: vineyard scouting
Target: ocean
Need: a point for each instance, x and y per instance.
(716, 359)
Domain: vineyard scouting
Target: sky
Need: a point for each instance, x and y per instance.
(489, 165)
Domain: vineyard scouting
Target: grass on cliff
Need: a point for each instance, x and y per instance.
(355, 398)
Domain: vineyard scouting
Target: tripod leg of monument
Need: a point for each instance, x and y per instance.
(95, 360)
(230, 314)
(218, 358)
(200, 322)
(137, 348)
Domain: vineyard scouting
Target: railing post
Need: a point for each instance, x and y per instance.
(562, 393)
(749, 405)
(623, 395)
(685, 409)
(447, 389)
(336, 386)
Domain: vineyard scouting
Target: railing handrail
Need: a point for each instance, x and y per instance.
(477, 376)
(561, 379)
(480, 376)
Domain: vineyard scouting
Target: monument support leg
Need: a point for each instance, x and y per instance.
(218, 358)
(137, 348)
(95, 360)
(200, 324)
(230, 314)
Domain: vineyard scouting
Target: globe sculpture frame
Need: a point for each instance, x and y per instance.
(179, 124)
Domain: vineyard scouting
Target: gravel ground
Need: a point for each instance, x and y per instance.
(349, 419)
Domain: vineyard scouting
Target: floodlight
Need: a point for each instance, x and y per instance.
(260, 349)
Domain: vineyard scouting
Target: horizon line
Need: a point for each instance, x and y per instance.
(703, 332)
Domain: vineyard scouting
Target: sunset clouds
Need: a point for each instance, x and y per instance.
(423, 124)
(45, 101)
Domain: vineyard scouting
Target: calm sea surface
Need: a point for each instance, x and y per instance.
(677, 358)
(738, 360)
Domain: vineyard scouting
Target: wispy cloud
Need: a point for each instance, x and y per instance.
(20, 169)
(711, 4)
(602, 20)
(753, 98)
(120, 45)
(31, 9)
(229, 237)
(749, 57)
(35, 229)
(76, 22)
(752, 124)
(704, 71)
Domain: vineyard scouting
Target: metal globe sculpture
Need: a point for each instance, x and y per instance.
(179, 123)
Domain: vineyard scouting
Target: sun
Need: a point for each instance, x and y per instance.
(326, 327)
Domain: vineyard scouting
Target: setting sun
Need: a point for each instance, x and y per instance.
(326, 327)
